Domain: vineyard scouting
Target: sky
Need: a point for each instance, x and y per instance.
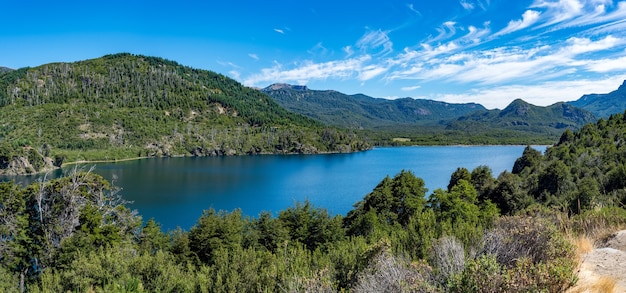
(485, 51)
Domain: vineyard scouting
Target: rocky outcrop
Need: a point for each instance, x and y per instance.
(21, 165)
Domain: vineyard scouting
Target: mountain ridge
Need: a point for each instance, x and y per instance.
(603, 105)
(362, 111)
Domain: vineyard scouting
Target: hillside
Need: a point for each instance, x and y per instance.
(603, 105)
(4, 69)
(523, 118)
(361, 111)
(124, 106)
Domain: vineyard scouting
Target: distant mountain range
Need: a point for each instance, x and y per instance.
(409, 116)
(361, 111)
(603, 105)
(522, 116)
(5, 69)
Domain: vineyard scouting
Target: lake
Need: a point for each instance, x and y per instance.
(175, 191)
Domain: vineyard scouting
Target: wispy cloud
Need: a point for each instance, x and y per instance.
(542, 94)
(348, 50)
(528, 18)
(309, 70)
(446, 31)
(560, 11)
(253, 56)
(235, 74)
(412, 8)
(318, 50)
(607, 64)
(375, 40)
(467, 5)
(280, 31)
(410, 88)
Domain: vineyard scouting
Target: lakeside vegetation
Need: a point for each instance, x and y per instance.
(510, 233)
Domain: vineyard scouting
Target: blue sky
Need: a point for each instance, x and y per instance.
(485, 51)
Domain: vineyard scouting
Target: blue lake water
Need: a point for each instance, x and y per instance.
(175, 191)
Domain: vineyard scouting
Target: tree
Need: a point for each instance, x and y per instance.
(458, 175)
(311, 226)
(215, 231)
(529, 159)
(394, 201)
(483, 181)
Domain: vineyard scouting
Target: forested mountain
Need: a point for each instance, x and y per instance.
(431, 122)
(361, 111)
(522, 117)
(124, 106)
(4, 69)
(603, 105)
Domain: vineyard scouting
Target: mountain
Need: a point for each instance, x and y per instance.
(521, 116)
(603, 105)
(432, 122)
(361, 111)
(124, 106)
(5, 69)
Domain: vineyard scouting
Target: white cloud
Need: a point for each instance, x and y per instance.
(375, 40)
(410, 88)
(348, 50)
(253, 56)
(371, 71)
(309, 70)
(412, 8)
(585, 45)
(607, 65)
(542, 94)
(279, 31)
(235, 74)
(446, 31)
(560, 10)
(318, 49)
(528, 18)
(467, 5)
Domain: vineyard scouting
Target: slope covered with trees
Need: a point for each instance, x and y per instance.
(603, 105)
(420, 121)
(522, 118)
(480, 234)
(124, 106)
(361, 111)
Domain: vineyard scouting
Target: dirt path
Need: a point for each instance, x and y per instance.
(604, 264)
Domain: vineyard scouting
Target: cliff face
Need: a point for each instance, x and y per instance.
(20, 165)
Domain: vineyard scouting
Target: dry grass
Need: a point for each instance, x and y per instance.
(583, 244)
(601, 285)
(604, 284)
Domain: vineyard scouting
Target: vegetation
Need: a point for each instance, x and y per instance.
(480, 234)
(124, 106)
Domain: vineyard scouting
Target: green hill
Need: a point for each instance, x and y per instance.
(5, 69)
(522, 118)
(124, 106)
(361, 111)
(603, 105)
